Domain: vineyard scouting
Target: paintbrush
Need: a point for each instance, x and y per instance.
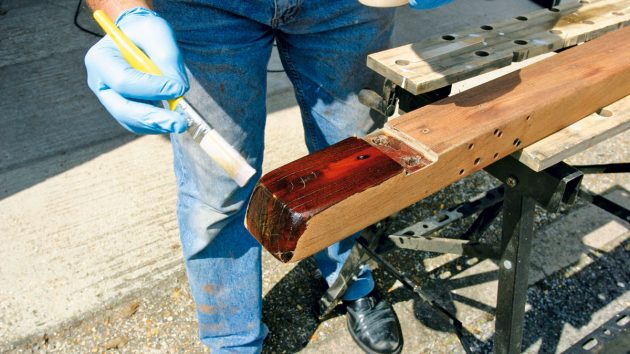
(208, 138)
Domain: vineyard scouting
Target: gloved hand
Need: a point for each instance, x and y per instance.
(128, 94)
(427, 4)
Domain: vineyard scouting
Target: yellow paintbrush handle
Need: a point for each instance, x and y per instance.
(209, 139)
(136, 57)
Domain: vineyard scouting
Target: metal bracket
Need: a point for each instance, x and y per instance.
(415, 236)
(557, 184)
(599, 200)
(386, 104)
(611, 337)
(395, 95)
(622, 167)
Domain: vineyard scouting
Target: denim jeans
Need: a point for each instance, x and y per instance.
(226, 45)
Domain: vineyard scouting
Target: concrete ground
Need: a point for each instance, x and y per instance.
(90, 258)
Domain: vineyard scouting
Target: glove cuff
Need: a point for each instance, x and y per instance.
(136, 11)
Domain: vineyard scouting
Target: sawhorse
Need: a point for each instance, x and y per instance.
(517, 201)
(522, 189)
(527, 181)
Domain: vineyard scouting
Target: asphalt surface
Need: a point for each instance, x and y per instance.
(567, 299)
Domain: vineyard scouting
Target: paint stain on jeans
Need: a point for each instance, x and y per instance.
(211, 327)
(210, 289)
(207, 309)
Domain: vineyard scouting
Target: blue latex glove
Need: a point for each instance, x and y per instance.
(427, 4)
(128, 94)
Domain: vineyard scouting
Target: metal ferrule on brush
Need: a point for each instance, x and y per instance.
(197, 127)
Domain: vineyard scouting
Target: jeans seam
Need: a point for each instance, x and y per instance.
(297, 83)
(274, 19)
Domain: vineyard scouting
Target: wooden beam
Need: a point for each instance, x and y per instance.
(307, 205)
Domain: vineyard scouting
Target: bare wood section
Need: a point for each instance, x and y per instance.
(297, 209)
(604, 124)
(440, 61)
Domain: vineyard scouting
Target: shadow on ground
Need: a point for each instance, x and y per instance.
(570, 296)
(289, 308)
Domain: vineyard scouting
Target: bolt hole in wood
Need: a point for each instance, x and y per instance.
(477, 161)
(496, 154)
(521, 18)
(461, 172)
(448, 37)
(401, 62)
(362, 157)
(520, 42)
(528, 117)
(498, 133)
(605, 112)
(517, 142)
(487, 28)
(481, 53)
(471, 146)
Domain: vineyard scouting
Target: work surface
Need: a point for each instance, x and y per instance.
(78, 237)
(315, 201)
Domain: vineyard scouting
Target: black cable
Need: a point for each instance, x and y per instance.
(76, 22)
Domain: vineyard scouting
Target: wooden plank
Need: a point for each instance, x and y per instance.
(444, 60)
(307, 205)
(577, 137)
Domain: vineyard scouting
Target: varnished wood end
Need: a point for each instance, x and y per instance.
(286, 199)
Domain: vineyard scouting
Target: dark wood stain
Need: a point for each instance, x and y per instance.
(286, 198)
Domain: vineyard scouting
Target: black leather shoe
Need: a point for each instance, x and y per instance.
(373, 325)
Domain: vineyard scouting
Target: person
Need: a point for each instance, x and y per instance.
(223, 48)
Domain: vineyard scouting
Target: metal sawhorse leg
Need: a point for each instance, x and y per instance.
(523, 189)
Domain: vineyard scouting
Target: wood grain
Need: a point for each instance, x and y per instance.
(295, 215)
(579, 136)
(285, 199)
